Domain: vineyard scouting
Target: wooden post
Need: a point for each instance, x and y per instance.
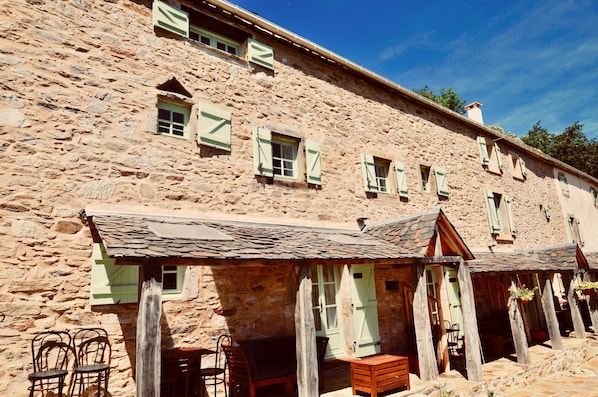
(578, 325)
(428, 370)
(473, 349)
(147, 375)
(305, 331)
(552, 322)
(592, 303)
(518, 329)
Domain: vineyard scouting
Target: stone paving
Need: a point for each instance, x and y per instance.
(570, 372)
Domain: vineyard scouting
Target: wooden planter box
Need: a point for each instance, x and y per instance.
(378, 374)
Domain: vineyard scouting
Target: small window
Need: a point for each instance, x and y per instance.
(574, 227)
(172, 280)
(594, 195)
(500, 215)
(284, 157)
(424, 172)
(490, 155)
(173, 119)
(375, 174)
(563, 183)
(214, 40)
(519, 170)
(382, 167)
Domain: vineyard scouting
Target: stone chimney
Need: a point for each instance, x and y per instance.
(474, 112)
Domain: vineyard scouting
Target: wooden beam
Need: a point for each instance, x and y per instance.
(517, 328)
(177, 261)
(305, 336)
(473, 348)
(440, 260)
(578, 325)
(147, 374)
(428, 370)
(552, 322)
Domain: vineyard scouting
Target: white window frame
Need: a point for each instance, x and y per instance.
(178, 271)
(382, 168)
(213, 40)
(425, 172)
(282, 158)
(165, 127)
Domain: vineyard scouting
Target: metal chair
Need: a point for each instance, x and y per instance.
(51, 351)
(92, 364)
(217, 374)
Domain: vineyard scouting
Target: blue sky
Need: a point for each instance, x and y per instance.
(523, 60)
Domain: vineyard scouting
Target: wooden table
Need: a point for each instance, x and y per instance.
(186, 359)
(377, 374)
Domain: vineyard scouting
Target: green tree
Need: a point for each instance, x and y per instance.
(447, 98)
(539, 137)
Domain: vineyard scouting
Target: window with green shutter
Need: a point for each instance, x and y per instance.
(170, 18)
(500, 215)
(214, 127)
(260, 53)
(519, 170)
(375, 174)
(262, 151)
(490, 155)
(563, 184)
(441, 182)
(401, 176)
(313, 162)
(575, 233)
(173, 119)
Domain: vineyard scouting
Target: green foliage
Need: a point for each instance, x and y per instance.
(523, 292)
(571, 146)
(447, 98)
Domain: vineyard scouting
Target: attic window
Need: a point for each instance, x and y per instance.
(185, 231)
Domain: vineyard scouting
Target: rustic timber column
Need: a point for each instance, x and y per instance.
(428, 370)
(147, 375)
(592, 304)
(552, 321)
(305, 336)
(473, 349)
(518, 329)
(578, 325)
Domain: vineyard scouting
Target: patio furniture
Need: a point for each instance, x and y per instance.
(216, 375)
(51, 351)
(92, 361)
(377, 374)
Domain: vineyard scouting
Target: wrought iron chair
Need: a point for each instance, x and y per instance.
(51, 351)
(92, 365)
(216, 375)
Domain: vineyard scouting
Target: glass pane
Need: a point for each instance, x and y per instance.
(328, 273)
(276, 149)
(163, 127)
(317, 320)
(221, 46)
(315, 295)
(169, 281)
(314, 275)
(232, 50)
(178, 117)
(205, 40)
(287, 152)
(276, 167)
(330, 294)
(178, 130)
(331, 317)
(194, 36)
(164, 114)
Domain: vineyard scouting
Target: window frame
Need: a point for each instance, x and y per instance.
(173, 107)
(425, 173)
(179, 272)
(490, 154)
(214, 38)
(500, 215)
(562, 178)
(288, 142)
(382, 170)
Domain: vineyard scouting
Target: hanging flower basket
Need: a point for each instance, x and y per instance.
(586, 287)
(523, 294)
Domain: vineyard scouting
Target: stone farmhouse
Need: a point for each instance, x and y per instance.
(177, 170)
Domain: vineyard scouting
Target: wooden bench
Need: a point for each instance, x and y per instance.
(268, 361)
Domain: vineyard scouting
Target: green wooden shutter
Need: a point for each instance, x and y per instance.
(260, 53)
(110, 283)
(365, 311)
(498, 157)
(484, 155)
(582, 241)
(523, 168)
(492, 212)
(441, 181)
(170, 18)
(313, 162)
(510, 215)
(369, 172)
(401, 179)
(214, 127)
(563, 183)
(262, 151)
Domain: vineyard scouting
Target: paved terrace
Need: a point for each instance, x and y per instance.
(570, 372)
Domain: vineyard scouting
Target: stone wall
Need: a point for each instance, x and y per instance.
(78, 95)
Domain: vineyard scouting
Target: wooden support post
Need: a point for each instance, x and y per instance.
(147, 375)
(578, 325)
(552, 322)
(473, 349)
(305, 331)
(518, 329)
(592, 303)
(428, 370)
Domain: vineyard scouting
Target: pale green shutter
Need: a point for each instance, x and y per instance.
(365, 311)
(110, 283)
(510, 215)
(214, 127)
(492, 211)
(170, 18)
(262, 151)
(441, 181)
(313, 162)
(563, 183)
(582, 242)
(498, 157)
(369, 172)
(523, 168)
(401, 179)
(260, 53)
(484, 155)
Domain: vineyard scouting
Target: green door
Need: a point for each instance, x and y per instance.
(324, 297)
(365, 311)
(454, 296)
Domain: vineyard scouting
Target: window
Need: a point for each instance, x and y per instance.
(490, 155)
(173, 119)
(500, 215)
(278, 156)
(563, 183)
(190, 23)
(519, 170)
(424, 172)
(172, 280)
(441, 182)
(378, 176)
(594, 195)
(574, 227)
